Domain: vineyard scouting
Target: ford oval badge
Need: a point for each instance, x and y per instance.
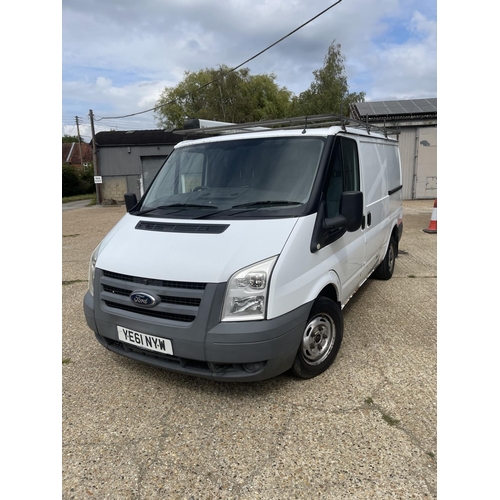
(144, 299)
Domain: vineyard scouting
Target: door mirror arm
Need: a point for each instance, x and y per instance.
(334, 223)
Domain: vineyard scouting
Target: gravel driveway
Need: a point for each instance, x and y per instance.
(364, 429)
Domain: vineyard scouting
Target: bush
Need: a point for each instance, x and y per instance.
(75, 182)
(70, 181)
(87, 180)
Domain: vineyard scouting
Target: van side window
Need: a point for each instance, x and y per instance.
(343, 173)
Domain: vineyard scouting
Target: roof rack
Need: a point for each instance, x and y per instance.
(305, 122)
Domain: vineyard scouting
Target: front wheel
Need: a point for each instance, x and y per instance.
(321, 339)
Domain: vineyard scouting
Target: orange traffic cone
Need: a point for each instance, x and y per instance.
(433, 224)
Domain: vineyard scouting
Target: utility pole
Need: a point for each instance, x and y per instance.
(94, 156)
(79, 142)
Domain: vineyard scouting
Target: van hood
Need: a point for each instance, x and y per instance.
(205, 256)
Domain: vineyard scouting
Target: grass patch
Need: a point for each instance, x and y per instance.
(71, 282)
(66, 361)
(369, 401)
(90, 197)
(70, 235)
(411, 276)
(389, 419)
(432, 455)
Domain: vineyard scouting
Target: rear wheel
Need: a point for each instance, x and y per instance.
(386, 268)
(321, 339)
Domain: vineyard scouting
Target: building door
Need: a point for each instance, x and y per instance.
(426, 168)
(134, 185)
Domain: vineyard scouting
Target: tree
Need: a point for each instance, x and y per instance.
(76, 181)
(71, 138)
(238, 97)
(235, 97)
(329, 90)
(70, 181)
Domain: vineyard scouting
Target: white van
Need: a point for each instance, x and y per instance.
(236, 263)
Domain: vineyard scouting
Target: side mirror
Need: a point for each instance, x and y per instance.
(351, 207)
(130, 201)
(350, 218)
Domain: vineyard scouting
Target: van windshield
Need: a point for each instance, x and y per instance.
(255, 174)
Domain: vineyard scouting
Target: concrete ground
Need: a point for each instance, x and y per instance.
(364, 429)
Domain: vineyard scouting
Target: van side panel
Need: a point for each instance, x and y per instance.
(380, 171)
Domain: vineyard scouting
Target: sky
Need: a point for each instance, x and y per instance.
(118, 55)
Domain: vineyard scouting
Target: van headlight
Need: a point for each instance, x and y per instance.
(246, 292)
(93, 260)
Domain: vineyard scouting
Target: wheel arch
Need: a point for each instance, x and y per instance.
(394, 234)
(330, 292)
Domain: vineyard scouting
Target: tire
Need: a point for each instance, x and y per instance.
(386, 268)
(320, 340)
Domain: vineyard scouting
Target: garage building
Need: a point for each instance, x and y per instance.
(416, 123)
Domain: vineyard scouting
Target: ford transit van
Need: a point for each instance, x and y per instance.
(237, 262)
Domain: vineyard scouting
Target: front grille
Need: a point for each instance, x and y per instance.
(154, 282)
(186, 301)
(180, 301)
(154, 314)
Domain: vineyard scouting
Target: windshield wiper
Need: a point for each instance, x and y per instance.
(250, 207)
(195, 205)
(175, 205)
(267, 203)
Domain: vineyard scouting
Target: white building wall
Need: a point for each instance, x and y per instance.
(407, 150)
(418, 150)
(426, 175)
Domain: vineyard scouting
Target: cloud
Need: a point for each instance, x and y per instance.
(409, 69)
(117, 62)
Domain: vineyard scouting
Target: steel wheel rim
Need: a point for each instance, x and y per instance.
(391, 258)
(318, 339)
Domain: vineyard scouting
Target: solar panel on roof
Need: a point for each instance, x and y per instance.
(428, 107)
(395, 108)
(411, 108)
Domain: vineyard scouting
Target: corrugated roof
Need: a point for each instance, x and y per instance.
(396, 109)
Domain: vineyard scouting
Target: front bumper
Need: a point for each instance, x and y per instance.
(228, 351)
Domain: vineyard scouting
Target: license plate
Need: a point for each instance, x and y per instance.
(145, 341)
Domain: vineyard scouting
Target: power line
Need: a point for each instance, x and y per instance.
(225, 74)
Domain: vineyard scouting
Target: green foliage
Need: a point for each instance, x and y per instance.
(237, 97)
(71, 138)
(87, 179)
(75, 181)
(70, 181)
(329, 90)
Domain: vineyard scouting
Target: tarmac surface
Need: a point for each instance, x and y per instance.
(71, 205)
(364, 429)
